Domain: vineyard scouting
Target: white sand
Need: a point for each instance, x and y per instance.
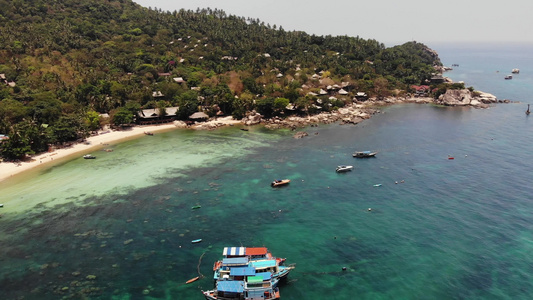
(9, 169)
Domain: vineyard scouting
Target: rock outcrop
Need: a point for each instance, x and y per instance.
(465, 97)
(252, 118)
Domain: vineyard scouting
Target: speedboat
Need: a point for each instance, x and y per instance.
(362, 154)
(280, 182)
(88, 156)
(509, 77)
(344, 169)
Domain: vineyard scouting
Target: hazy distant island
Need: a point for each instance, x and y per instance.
(71, 68)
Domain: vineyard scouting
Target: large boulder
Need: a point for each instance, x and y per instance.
(252, 118)
(456, 97)
(486, 97)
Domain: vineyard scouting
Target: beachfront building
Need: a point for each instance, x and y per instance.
(361, 96)
(155, 116)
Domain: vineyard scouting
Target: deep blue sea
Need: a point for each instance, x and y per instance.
(121, 226)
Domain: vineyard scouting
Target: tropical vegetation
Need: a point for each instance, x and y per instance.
(65, 64)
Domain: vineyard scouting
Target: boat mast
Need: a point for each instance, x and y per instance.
(527, 111)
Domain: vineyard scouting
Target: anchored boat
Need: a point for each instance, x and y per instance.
(343, 168)
(280, 182)
(364, 154)
(247, 273)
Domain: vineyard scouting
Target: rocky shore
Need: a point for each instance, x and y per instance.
(360, 111)
(356, 112)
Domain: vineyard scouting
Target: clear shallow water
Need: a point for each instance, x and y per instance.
(455, 229)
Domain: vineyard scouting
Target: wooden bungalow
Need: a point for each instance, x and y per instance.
(437, 79)
(199, 116)
(361, 96)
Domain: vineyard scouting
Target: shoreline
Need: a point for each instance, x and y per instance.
(353, 114)
(95, 142)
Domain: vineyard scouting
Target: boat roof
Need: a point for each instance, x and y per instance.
(232, 286)
(242, 271)
(256, 251)
(234, 251)
(255, 279)
(266, 275)
(366, 152)
(263, 263)
(235, 261)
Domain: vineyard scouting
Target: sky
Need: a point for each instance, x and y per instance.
(391, 22)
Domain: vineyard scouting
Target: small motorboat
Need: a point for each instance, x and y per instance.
(508, 77)
(196, 241)
(1, 205)
(364, 154)
(88, 156)
(196, 207)
(280, 182)
(343, 169)
(378, 185)
(192, 279)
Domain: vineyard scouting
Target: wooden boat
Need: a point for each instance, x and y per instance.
(243, 290)
(343, 168)
(148, 133)
(192, 279)
(280, 182)
(196, 241)
(364, 154)
(258, 258)
(88, 156)
(247, 273)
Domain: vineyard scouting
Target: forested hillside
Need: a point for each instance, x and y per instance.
(63, 63)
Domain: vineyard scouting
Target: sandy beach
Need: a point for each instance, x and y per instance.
(96, 142)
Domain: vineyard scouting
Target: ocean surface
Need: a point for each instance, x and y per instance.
(121, 226)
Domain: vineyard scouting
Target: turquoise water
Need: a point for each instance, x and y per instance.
(120, 227)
